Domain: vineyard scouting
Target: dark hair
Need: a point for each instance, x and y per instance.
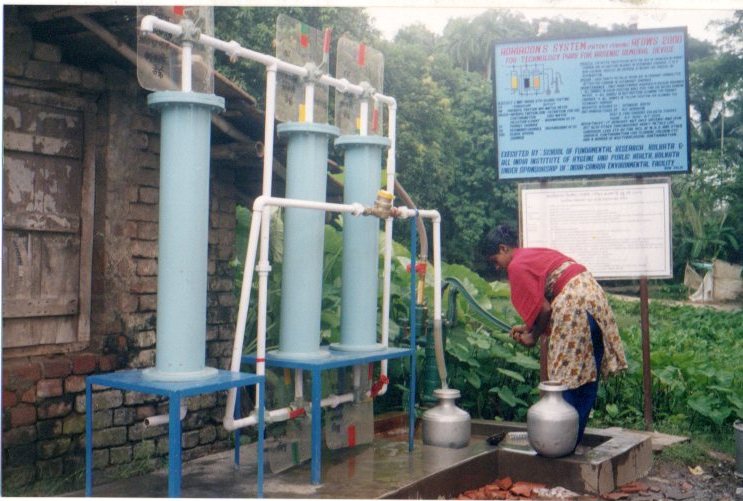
(501, 234)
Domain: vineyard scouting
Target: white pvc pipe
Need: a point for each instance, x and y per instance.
(364, 117)
(163, 418)
(268, 129)
(234, 49)
(309, 102)
(298, 385)
(260, 228)
(228, 421)
(186, 61)
(387, 269)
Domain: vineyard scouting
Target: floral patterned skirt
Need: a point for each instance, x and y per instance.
(570, 354)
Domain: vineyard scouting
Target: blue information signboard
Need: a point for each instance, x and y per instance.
(615, 104)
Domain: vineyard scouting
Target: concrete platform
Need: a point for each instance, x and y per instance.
(385, 469)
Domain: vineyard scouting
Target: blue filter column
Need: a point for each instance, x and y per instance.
(304, 238)
(185, 139)
(360, 281)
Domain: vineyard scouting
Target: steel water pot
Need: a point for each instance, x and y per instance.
(446, 425)
(552, 423)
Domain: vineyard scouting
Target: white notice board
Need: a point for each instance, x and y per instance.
(620, 231)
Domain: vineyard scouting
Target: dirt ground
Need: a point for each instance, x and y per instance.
(713, 481)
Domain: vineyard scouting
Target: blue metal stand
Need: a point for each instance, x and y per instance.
(175, 391)
(334, 360)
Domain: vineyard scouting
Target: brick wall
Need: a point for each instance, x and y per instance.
(43, 398)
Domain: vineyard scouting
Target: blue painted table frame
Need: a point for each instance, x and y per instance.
(334, 360)
(175, 391)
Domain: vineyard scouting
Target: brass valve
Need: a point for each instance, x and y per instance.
(382, 205)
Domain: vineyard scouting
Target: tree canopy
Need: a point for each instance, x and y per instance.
(445, 137)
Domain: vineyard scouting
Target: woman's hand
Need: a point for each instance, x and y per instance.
(521, 335)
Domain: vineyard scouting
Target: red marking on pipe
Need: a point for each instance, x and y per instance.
(326, 40)
(377, 387)
(297, 413)
(375, 120)
(260, 360)
(179, 10)
(361, 56)
(352, 435)
(420, 268)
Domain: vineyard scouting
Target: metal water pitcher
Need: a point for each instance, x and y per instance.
(446, 425)
(552, 423)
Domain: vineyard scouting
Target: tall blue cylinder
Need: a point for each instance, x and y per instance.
(304, 238)
(363, 169)
(185, 140)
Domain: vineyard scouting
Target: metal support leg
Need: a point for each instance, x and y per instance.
(88, 440)
(174, 445)
(236, 415)
(413, 358)
(316, 426)
(261, 434)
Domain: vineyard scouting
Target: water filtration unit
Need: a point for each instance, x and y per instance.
(297, 92)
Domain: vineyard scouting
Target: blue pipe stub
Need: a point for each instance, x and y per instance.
(304, 238)
(360, 278)
(185, 141)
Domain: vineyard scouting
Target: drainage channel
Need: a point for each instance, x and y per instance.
(386, 469)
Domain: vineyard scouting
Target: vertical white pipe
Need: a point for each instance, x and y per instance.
(437, 267)
(263, 268)
(309, 103)
(269, 129)
(356, 377)
(298, 385)
(186, 67)
(364, 117)
(242, 310)
(387, 273)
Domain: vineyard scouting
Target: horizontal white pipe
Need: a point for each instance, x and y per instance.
(163, 418)
(334, 401)
(234, 49)
(355, 208)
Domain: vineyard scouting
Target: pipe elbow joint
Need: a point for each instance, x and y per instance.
(260, 203)
(147, 24)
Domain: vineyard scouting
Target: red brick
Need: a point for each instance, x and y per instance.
(22, 415)
(84, 363)
(52, 409)
(148, 195)
(74, 384)
(49, 388)
(9, 399)
(107, 363)
(147, 231)
(56, 367)
(144, 285)
(29, 396)
(20, 375)
(147, 302)
(146, 267)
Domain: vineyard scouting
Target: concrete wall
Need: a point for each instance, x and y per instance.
(43, 395)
